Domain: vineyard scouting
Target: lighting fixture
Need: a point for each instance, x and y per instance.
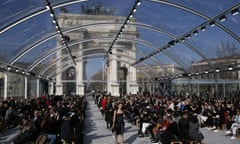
(177, 42)
(182, 39)
(120, 33)
(138, 2)
(195, 32)
(47, 7)
(131, 15)
(217, 70)
(134, 10)
(203, 28)
(212, 24)
(171, 43)
(230, 68)
(223, 18)
(206, 72)
(188, 36)
(235, 11)
(8, 68)
(51, 14)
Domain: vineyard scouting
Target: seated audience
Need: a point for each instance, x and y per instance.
(235, 126)
(194, 133)
(29, 131)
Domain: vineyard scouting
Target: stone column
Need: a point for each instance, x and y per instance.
(113, 85)
(132, 86)
(238, 72)
(79, 78)
(25, 87)
(59, 85)
(5, 85)
(50, 88)
(38, 87)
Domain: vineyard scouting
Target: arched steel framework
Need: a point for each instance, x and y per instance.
(41, 41)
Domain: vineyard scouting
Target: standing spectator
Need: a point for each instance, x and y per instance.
(67, 130)
(108, 113)
(103, 104)
(194, 131)
(37, 119)
(183, 125)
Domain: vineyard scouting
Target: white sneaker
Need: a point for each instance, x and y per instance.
(228, 132)
(216, 130)
(233, 137)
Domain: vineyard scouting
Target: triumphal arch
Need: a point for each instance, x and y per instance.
(90, 34)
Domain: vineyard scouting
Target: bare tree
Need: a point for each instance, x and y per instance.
(97, 85)
(226, 49)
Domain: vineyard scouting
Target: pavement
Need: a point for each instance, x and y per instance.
(96, 132)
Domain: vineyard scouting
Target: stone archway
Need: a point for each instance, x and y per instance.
(121, 47)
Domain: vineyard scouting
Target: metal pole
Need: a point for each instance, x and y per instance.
(5, 85)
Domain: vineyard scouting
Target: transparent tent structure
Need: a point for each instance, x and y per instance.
(182, 47)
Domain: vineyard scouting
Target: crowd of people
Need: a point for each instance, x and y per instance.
(56, 117)
(162, 118)
(175, 118)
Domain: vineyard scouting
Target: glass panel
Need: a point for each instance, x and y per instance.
(32, 87)
(38, 52)
(183, 55)
(168, 18)
(155, 38)
(1, 84)
(232, 23)
(45, 64)
(209, 8)
(24, 35)
(51, 71)
(12, 10)
(113, 7)
(16, 84)
(214, 43)
(143, 49)
(165, 59)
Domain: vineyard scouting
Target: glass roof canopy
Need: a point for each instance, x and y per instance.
(170, 32)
